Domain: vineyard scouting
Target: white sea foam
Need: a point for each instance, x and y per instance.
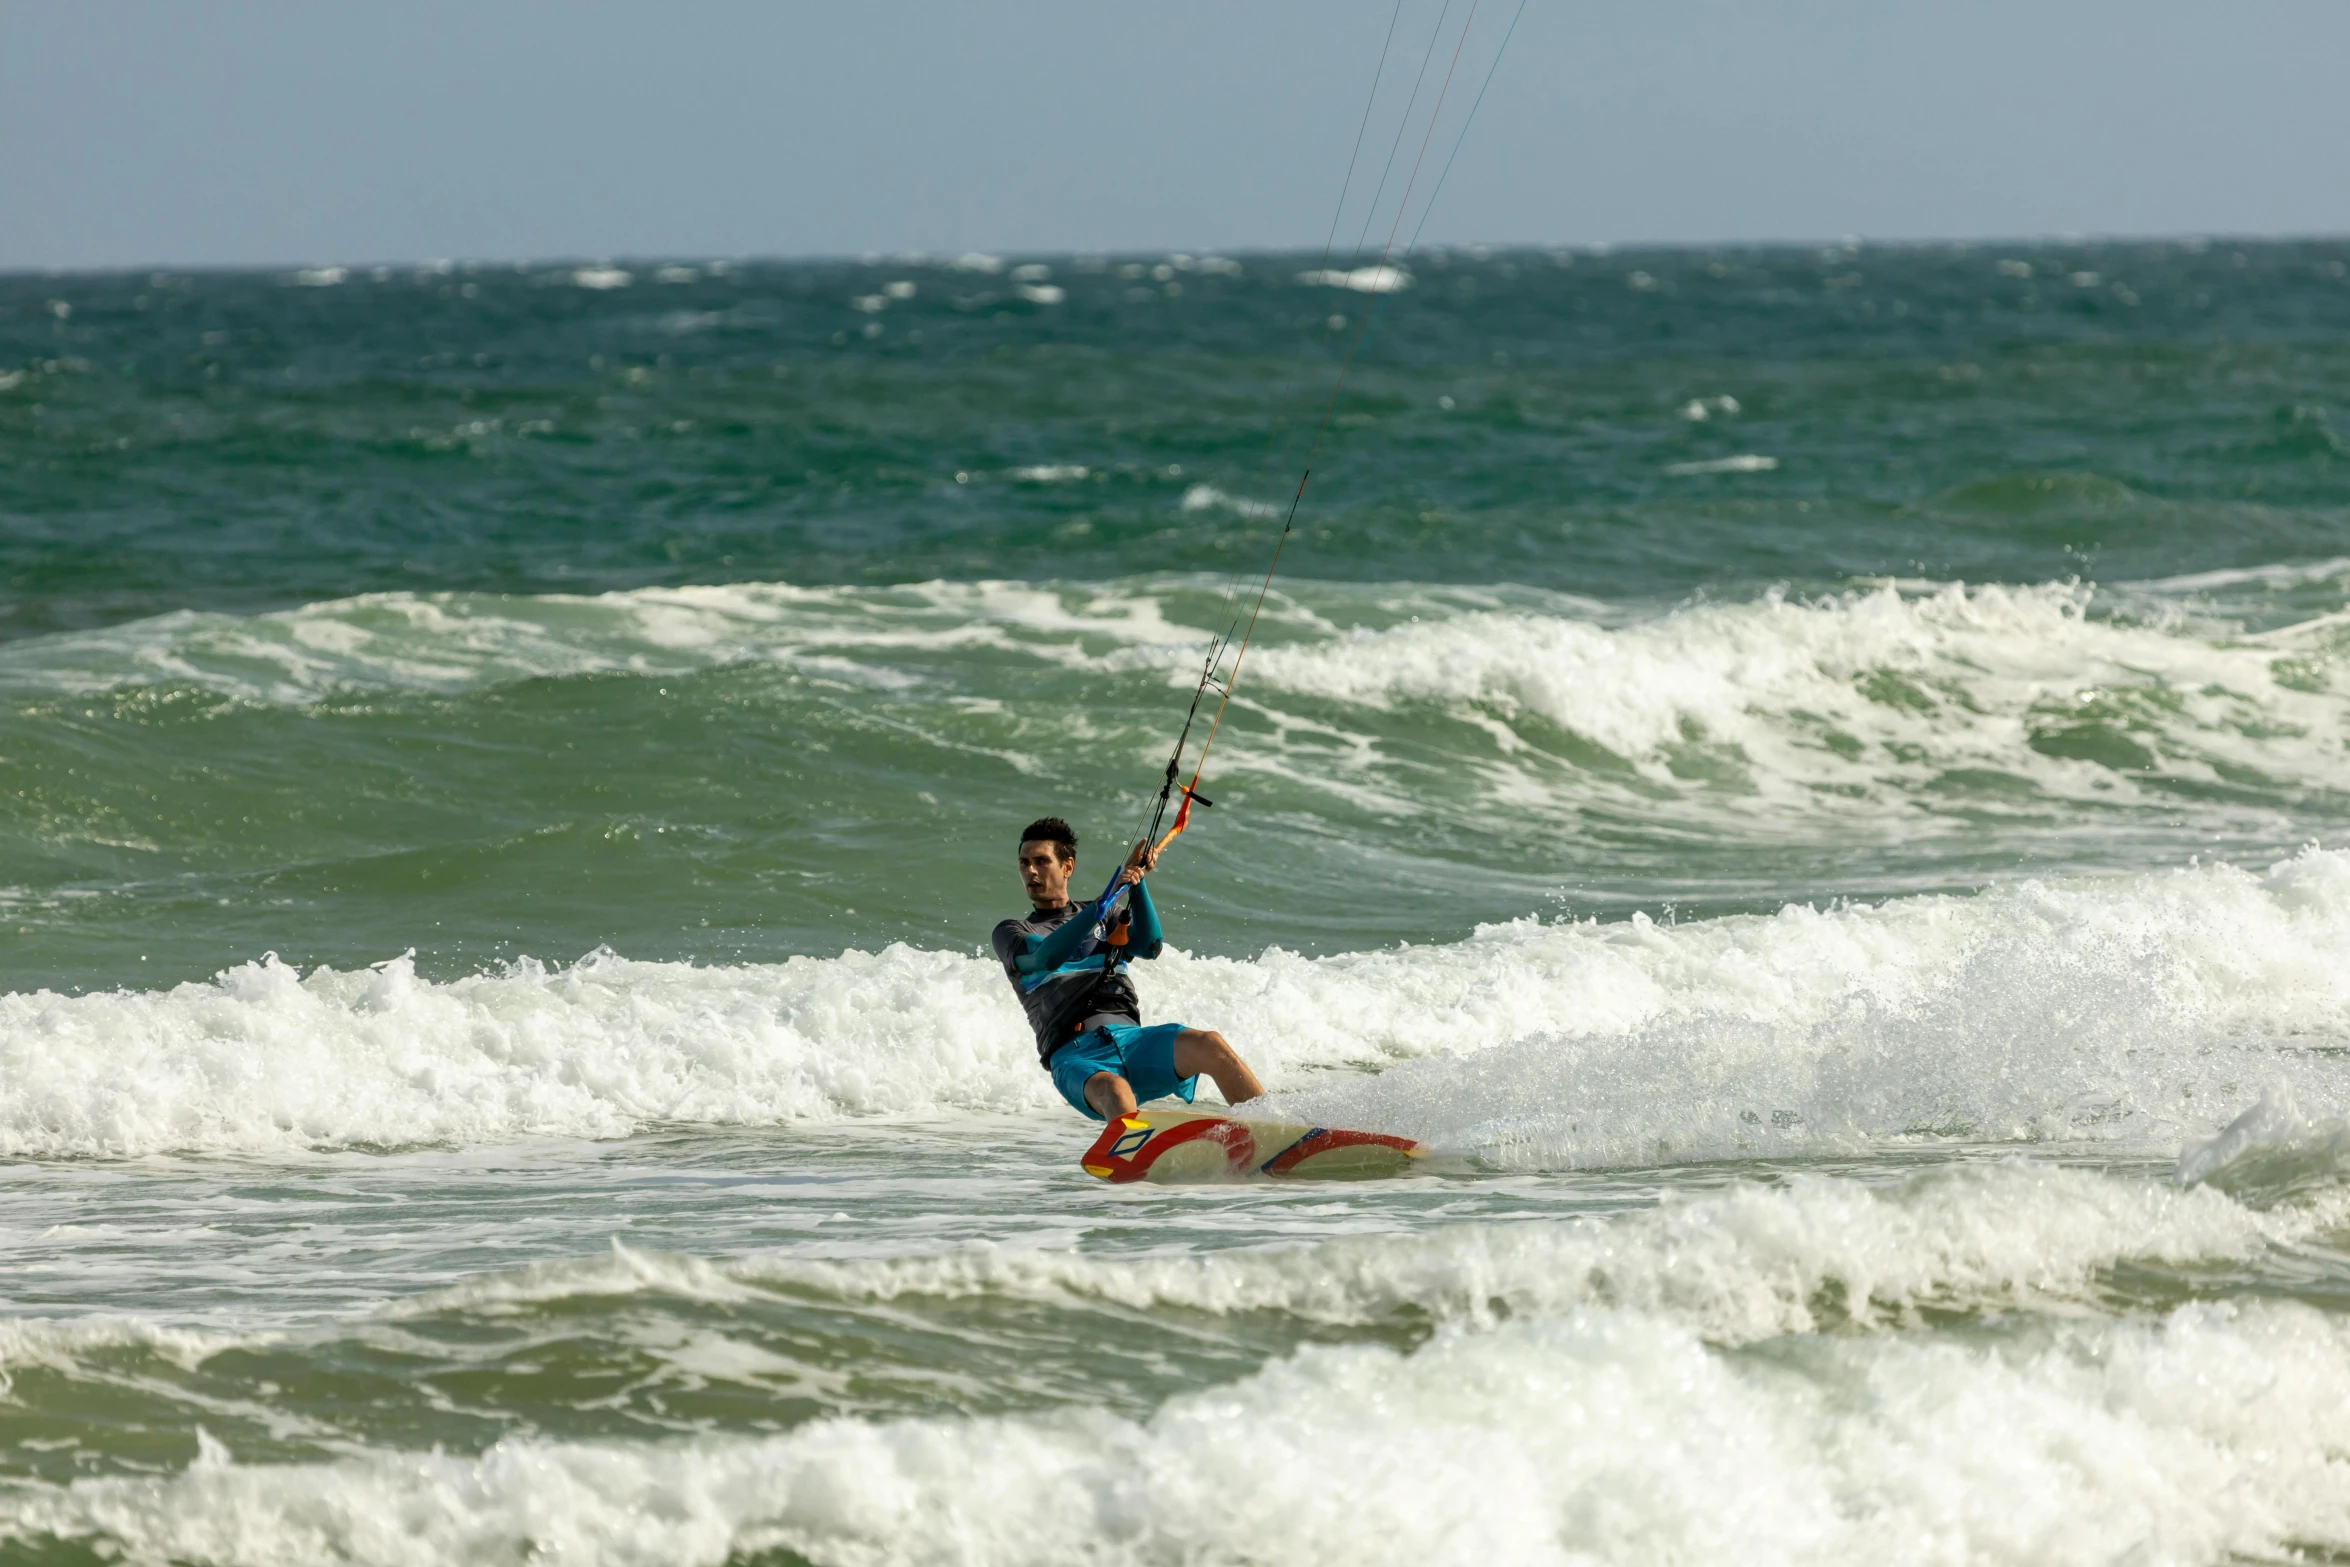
(1744, 462)
(1598, 1435)
(264, 1058)
(1902, 700)
(2273, 578)
(1882, 713)
(64, 1344)
(2142, 1011)
(2139, 1011)
(462, 641)
(1734, 1267)
(2270, 1150)
(1362, 280)
(1206, 497)
(1737, 1266)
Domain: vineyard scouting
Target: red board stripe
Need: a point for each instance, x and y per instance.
(1322, 1139)
(1239, 1147)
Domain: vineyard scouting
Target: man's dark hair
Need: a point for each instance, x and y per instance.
(1051, 829)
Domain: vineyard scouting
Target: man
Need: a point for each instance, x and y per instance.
(1071, 979)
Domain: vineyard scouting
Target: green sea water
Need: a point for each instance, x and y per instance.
(1812, 777)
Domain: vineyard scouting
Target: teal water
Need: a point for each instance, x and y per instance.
(1815, 778)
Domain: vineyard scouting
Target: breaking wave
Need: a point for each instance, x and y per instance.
(2141, 1012)
(2211, 1431)
(1990, 698)
(1881, 710)
(453, 642)
(1820, 1253)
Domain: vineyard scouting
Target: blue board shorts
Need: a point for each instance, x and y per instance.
(1145, 1057)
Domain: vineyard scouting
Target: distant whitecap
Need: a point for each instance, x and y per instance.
(1744, 462)
(1206, 497)
(1363, 280)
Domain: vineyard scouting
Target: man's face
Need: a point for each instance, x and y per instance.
(1044, 873)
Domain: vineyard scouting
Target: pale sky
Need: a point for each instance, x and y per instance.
(269, 132)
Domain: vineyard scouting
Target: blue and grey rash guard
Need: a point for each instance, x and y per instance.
(1054, 961)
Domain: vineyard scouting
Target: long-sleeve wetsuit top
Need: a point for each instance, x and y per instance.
(1055, 962)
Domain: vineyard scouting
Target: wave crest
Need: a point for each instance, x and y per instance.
(2127, 1011)
(1816, 1254)
(1952, 700)
(1598, 1435)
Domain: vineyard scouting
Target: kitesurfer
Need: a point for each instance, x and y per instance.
(1070, 975)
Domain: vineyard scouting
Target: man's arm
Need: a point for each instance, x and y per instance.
(1144, 939)
(1045, 953)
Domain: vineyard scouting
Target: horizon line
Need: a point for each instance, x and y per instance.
(977, 259)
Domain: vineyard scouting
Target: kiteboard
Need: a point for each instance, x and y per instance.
(1183, 1147)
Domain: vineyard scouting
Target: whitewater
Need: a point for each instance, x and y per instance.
(1813, 780)
(2127, 1012)
(1985, 1224)
(1941, 1228)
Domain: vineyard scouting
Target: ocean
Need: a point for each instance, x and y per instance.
(1813, 778)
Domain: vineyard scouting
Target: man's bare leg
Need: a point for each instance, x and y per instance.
(1110, 1095)
(1202, 1051)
